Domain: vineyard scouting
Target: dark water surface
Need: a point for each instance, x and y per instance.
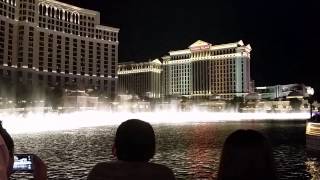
(191, 150)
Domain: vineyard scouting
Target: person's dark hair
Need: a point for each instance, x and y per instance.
(135, 141)
(7, 139)
(246, 155)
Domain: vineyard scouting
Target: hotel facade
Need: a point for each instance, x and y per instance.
(202, 70)
(141, 79)
(206, 70)
(48, 43)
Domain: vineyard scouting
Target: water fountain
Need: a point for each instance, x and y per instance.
(41, 121)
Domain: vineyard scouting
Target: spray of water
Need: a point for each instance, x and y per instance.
(34, 122)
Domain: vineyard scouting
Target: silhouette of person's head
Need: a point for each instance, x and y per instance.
(246, 155)
(134, 141)
(10, 145)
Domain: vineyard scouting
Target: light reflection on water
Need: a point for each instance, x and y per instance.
(191, 150)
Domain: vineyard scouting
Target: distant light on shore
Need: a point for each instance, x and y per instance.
(34, 122)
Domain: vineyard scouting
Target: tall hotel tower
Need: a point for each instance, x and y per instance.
(205, 70)
(49, 43)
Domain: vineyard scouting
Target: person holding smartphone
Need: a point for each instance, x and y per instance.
(38, 168)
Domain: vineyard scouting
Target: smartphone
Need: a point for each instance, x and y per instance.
(23, 163)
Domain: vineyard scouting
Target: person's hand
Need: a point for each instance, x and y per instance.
(39, 169)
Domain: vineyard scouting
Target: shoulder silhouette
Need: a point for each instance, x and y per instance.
(133, 148)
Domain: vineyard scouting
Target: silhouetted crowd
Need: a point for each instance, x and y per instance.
(246, 155)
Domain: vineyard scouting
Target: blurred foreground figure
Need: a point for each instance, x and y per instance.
(246, 155)
(134, 146)
(6, 158)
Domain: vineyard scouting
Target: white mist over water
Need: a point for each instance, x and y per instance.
(34, 122)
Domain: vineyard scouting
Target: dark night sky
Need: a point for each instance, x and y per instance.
(283, 34)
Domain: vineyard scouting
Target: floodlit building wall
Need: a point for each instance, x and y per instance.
(50, 43)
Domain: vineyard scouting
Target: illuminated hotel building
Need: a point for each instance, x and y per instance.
(142, 79)
(201, 71)
(49, 43)
(284, 91)
(205, 70)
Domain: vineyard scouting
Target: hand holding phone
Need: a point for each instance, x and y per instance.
(40, 169)
(30, 163)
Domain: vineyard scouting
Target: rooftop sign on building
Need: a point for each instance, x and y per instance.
(199, 46)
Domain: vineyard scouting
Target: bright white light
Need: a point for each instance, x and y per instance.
(33, 122)
(310, 91)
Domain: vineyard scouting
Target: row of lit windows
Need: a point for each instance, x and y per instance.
(83, 26)
(30, 46)
(224, 73)
(218, 63)
(177, 85)
(222, 87)
(180, 91)
(224, 90)
(54, 80)
(10, 2)
(213, 53)
(58, 57)
(7, 10)
(184, 56)
(226, 66)
(24, 6)
(68, 22)
(61, 14)
(21, 48)
(66, 27)
(224, 83)
(224, 70)
(180, 66)
(223, 51)
(85, 66)
(41, 77)
(4, 44)
(217, 74)
(179, 70)
(203, 54)
(27, 10)
(221, 64)
(228, 80)
(178, 78)
(180, 81)
(58, 14)
(124, 67)
(221, 74)
(224, 62)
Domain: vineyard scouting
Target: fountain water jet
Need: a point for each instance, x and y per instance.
(34, 122)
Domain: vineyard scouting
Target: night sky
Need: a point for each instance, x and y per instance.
(283, 34)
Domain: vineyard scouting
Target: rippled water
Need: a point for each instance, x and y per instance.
(191, 150)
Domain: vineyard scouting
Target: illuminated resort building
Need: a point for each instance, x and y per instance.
(205, 70)
(49, 43)
(201, 71)
(284, 91)
(140, 79)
